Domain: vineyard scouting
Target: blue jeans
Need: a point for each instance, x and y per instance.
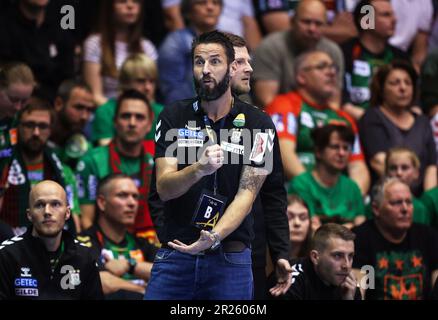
(212, 276)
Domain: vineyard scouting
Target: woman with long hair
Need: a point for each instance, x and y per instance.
(119, 34)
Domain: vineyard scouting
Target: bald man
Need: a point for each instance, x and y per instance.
(46, 262)
(274, 58)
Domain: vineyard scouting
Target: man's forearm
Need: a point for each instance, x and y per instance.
(174, 184)
(250, 184)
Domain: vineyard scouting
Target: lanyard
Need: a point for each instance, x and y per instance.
(211, 138)
(54, 262)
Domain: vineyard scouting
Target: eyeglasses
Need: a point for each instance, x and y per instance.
(323, 66)
(31, 125)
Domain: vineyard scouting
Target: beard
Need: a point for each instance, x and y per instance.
(33, 147)
(69, 125)
(217, 91)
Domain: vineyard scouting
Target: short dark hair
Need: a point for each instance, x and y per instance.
(327, 231)
(379, 79)
(186, 8)
(218, 38)
(67, 86)
(135, 95)
(321, 135)
(237, 41)
(36, 103)
(102, 187)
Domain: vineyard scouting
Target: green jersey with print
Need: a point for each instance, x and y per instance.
(340, 203)
(430, 201)
(95, 165)
(103, 123)
(358, 82)
(420, 214)
(309, 119)
(127, 250)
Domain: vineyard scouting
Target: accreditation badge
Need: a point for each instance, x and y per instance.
(209, 210)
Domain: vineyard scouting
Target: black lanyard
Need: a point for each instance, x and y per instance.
(211, 138)
(54, 262)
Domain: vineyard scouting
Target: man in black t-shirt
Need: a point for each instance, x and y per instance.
(404, 255)
(327, 273)
(202, 190)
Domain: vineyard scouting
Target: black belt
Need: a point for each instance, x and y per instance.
(226, 246)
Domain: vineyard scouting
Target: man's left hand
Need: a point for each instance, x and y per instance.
(283, 272)
(204, 242)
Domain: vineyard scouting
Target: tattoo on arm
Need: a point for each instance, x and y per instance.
(252, 179)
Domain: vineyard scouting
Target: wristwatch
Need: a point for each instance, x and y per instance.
(217, 240)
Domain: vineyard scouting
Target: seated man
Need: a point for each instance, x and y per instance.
(326, 274)
(404, 254)
(30, 161)
(124, 259)
(297, 113)
(330, 195)
(46, 262)
(127, 153)
(404, 164)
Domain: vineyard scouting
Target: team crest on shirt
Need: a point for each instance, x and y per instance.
(239, 121)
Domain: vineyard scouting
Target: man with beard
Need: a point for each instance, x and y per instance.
(46, 262)
(127, 154)
(213, 154)
(74, 106)
(32, 161)
(274, 58)
(326, 274)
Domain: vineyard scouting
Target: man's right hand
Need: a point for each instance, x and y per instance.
(212, 159)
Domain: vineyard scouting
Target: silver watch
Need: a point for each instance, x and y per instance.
(217, 240)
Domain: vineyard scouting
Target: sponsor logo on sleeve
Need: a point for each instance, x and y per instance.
(259, 147)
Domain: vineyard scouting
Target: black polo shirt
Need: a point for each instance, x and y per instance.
(248, 137)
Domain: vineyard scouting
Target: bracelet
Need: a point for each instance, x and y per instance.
(217, 240)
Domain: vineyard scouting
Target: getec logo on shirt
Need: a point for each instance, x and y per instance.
(190, 138)
(26, 286)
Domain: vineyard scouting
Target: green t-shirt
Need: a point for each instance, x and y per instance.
(95, 165)
(421, 213)
(430, 201)
(340, 203)
(103, 123)
(74, 149)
